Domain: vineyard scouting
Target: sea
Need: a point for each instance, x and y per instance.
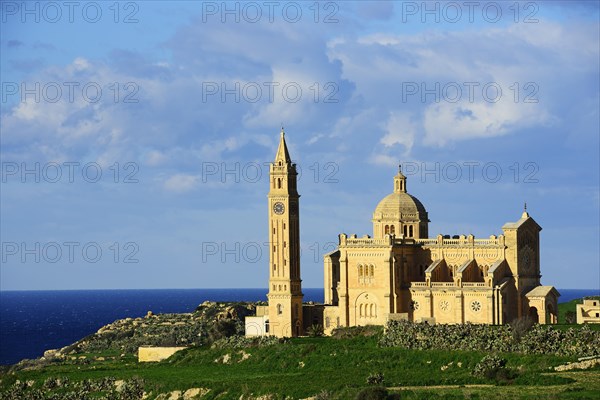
(34, 321)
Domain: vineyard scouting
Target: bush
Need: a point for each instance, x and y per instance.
(489, 367)
(221, 329)
(132, 389)
(570, 317)
(315, 330)
(356, 331)
(63, 389)
(323, 395)
(242, 342)
(520, 327)
(373, 393)
(538, 339)
(375, 379)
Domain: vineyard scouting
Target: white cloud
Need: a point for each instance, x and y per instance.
(385, 160)
(452, 122)
(400, 129)
(180, 183)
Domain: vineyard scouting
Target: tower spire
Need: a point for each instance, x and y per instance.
(282, 151)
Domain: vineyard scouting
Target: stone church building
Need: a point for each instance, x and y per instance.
(399, 272)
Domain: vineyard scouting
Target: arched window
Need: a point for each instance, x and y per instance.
(405, 230)
(360, 310)
(278, 183)
(360, 271)
(392, 229)
(279, 309)
(410, 231)
(387, 229)
(372, 271)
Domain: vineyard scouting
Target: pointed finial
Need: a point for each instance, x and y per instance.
(282, 131)
(400, 168)
(525, 213)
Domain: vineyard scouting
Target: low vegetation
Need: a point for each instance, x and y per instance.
(404, 361)
(521, 337)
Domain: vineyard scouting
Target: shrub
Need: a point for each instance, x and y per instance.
(315, 330)
(373, 393)
(538, 339)
(356, 331)
(520, 327)
(241, 342)
(323, 395)
(222, 328)
(50, 383)
(489, 367)
(570, 317)
(132, 389)
(375, 379)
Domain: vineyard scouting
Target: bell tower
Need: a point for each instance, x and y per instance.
(285, 290)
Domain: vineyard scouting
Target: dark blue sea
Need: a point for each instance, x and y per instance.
(34, 321)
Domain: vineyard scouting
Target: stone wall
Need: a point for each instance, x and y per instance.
(154, 354)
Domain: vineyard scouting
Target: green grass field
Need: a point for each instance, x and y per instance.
(305, 367)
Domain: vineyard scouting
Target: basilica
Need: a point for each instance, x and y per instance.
(399, 272)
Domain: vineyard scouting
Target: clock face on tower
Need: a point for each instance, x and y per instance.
(278, 208)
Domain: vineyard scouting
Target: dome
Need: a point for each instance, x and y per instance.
(400, 213)
(401, 204)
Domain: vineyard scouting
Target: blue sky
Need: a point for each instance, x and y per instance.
(179, 106)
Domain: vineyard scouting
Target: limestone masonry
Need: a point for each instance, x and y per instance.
(399, 272)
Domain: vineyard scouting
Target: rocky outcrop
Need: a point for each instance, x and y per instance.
(190, 394)
(583, 363)
(208, 322)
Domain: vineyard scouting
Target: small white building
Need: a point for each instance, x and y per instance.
(588, 312)
(258, 325)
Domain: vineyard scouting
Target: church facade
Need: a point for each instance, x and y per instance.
(399, 272)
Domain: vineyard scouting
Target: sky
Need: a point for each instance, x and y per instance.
(136, 136)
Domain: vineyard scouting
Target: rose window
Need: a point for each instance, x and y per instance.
(475, 306)
(444, 305)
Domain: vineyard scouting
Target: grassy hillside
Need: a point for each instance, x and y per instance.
(336, 368)
(410, 361)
